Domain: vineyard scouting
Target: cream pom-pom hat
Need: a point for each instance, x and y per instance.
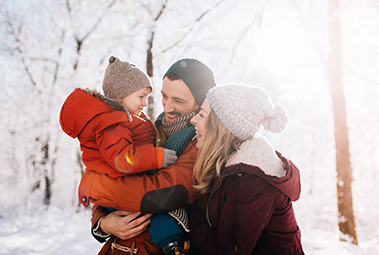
(244, 109)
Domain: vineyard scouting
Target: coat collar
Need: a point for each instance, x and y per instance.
(258, 152)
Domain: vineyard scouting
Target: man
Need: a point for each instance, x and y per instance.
(184, 87)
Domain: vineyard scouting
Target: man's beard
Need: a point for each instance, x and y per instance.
(173, 115)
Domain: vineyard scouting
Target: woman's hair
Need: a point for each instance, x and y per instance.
(219, 144)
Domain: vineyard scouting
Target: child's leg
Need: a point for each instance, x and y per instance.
(165, 232)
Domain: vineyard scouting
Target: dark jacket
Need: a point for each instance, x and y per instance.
(250, 208)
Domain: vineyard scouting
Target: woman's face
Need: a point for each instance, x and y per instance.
(200, 122)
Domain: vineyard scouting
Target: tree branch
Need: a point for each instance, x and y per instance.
(14, 32)
(80, 41)
(258, 17)
(192, 25)
(364, 78)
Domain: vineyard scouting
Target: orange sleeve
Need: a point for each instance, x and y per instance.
(134, 159)
(118, 149)
(160, 156)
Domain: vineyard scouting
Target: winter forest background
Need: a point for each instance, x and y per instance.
(50, 47)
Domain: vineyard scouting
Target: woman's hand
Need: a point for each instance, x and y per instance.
(124, 224)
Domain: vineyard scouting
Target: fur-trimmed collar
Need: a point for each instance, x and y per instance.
(110, 102)
(259, 152)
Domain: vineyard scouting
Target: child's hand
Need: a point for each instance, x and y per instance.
(169, 157)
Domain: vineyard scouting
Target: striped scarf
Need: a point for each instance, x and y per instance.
(180, 141)
(166, 129)
(171, 127)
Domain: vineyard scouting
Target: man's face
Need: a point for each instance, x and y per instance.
(177, 99)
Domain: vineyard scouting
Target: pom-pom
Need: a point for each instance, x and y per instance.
(278, 121)
(112, 59)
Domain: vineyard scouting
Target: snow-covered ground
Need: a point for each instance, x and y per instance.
(53, 231)
(62, 232)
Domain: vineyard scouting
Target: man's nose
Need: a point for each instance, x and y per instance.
(168, 106)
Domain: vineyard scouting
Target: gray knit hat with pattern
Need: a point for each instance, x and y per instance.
(122, 78)
(198, 77)
(243, 109)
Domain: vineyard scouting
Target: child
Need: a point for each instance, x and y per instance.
(116, 137)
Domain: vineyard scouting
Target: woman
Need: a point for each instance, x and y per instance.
(250, 186)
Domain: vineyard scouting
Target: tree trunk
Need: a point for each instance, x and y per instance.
(149, 58)
(346, 220)
(45, 164)
(149, 71)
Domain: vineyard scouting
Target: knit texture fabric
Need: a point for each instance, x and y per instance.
(171, 127)
(196, 75)
(122, 78)
(244, 109)
(180, 139)
(181, 216)
(175, 135)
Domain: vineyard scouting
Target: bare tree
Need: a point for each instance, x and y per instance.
(331, 57)
(41, 160)
(149, 54)
(333, 66)
(151, 36)
(80, 39)
(44, 63)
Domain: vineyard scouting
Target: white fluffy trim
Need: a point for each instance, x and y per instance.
(259, 152)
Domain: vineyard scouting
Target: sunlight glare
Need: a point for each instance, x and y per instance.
(282, 43)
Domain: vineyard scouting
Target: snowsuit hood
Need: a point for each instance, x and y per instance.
(80, 108)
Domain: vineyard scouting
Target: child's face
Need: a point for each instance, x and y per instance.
(136, 101)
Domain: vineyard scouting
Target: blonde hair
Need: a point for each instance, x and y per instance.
(219, 144)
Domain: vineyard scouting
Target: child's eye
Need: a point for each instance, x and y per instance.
(201, 115)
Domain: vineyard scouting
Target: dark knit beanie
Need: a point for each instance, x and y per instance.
(196, 75)
(122, 78)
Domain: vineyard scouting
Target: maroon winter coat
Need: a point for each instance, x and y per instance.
(249, 210)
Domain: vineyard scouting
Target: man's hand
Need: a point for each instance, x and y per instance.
(124, 224)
